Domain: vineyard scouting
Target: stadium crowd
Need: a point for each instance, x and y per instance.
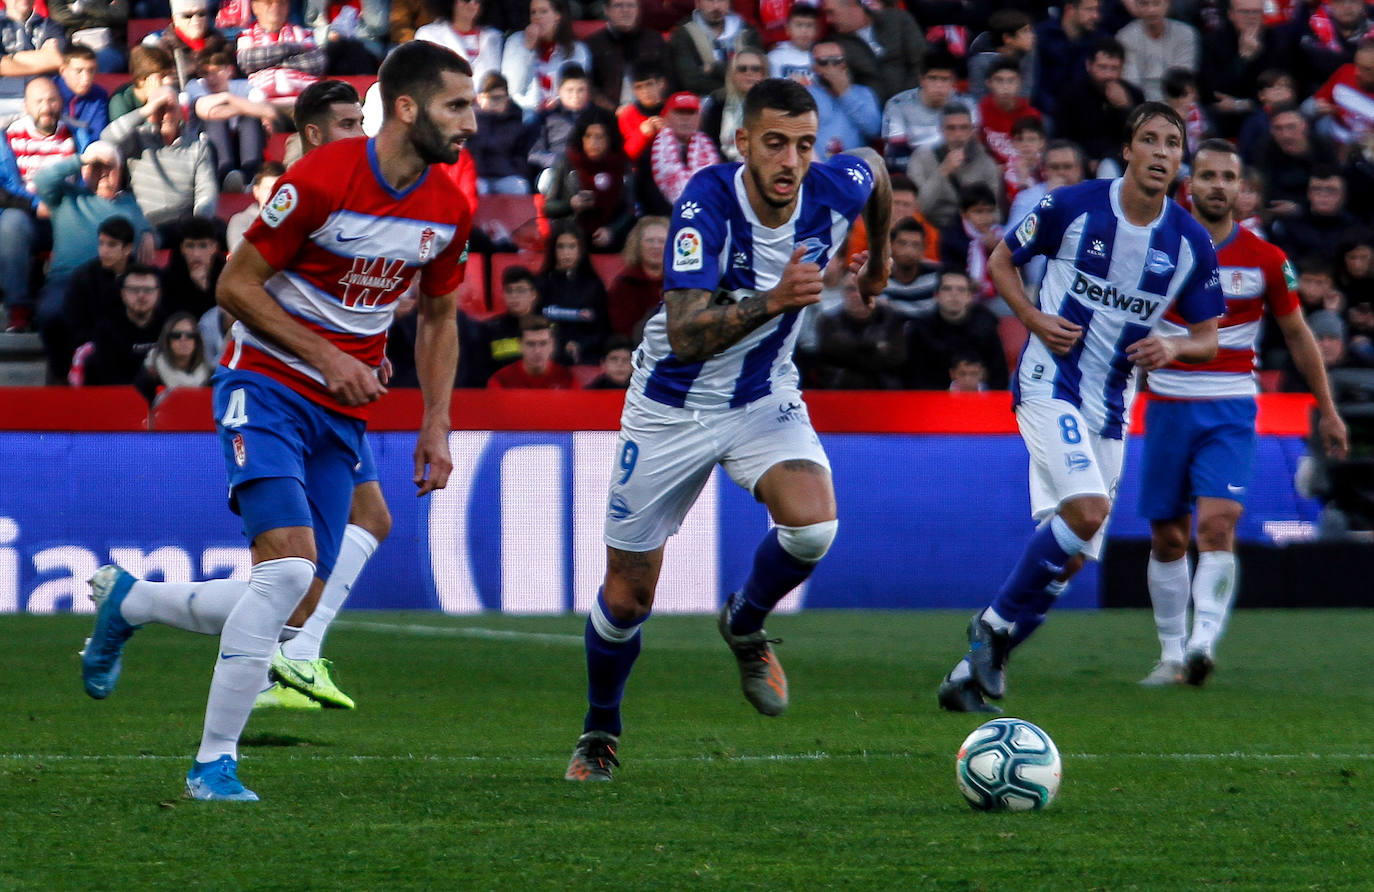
(130, 163)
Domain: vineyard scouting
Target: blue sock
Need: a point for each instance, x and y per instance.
(1043, 559)
(1034, 614)
(775, 573)
(611, 651)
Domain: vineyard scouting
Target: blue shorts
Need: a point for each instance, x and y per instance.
(366, 469)
(304, 454)
(1195, 448)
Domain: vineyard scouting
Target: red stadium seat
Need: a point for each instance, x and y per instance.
(360, 82)
(182, 409)
(1013, 335)
(276, 147)
(585, 374)
(584, 28)
(141, 28)
(509, 217)
(230, 203)
(111, 80)
(472, 294)
(1269, 380)
(607, 266)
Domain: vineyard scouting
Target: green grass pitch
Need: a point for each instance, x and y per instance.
(449, 774)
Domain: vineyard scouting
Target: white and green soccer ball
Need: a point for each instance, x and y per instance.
(1008, 765)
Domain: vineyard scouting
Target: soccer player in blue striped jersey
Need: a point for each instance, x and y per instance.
(714, 383)
(1120, 254)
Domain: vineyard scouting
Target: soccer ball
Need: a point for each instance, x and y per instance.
(1008, 765)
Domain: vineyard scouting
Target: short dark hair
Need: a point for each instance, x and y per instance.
(1221, 146)
(1271, 76)
(803, 11)
(1146, 112)
(648, 70)
(517, 273)
(1284, 108)
(197, 228)
(1176, 82)
(147, 60)
(493, 80)
(1108, 46)
(78, 51)
(1005, 23)
(975, 194)
(414, 68)
(269, 169)
(1002, 64)
(315, 101)
(956, 271)
(218, 56)
(954, 109)
(903, 183)
(617, 342)
(1059, 145)
(534, 322)
(780, 93)
(939, 60)
(908, 225)
(141, 269)
(571, 71)
(1026, 124)
(1314, 265)
(117, 228)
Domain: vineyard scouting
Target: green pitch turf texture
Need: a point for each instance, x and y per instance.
(449, 775)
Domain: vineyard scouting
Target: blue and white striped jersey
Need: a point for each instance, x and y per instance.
(716, 243)
(1115, 280)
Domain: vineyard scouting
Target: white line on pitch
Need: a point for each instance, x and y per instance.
(456, 632)
(764, 757)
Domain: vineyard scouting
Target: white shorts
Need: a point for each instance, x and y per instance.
(665, 455)
(1067, 460)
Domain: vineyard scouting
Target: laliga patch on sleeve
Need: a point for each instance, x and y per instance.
(1026, 231)
(687, 251)
(281, 206)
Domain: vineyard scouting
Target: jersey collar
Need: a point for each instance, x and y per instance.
(743, 197)
(376, 166)
(1230, 236)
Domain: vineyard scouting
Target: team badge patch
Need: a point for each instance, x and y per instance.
(687, 251)
(1157, 262)
(426, 244)
(240, 451)
(1026, 231)
(281, 206)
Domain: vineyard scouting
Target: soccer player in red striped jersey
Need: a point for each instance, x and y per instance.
(1200, 428)
(313, 288)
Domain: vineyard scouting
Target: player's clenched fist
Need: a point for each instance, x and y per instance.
(1055, 332)
(800, 285)
(350, 381)
(1153, 352)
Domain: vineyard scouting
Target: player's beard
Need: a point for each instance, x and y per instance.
(1205, 213)
(762, 188)
(429, 143)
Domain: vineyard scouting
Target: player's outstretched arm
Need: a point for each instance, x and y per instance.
(241, 294)
(1308, 359)
(877, 215)
(1157, 351)
(699, 329)
(1055, 332)
(436, 363)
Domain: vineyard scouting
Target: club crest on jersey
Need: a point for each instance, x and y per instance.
(1242, 282)
(426, 244)
(1077, 461)
(1157, 262)
(815, 250)
(280, 207)
(1026, 231)
(240, 451)
(687, 251)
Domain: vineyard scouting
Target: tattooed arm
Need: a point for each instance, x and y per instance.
(698, 329)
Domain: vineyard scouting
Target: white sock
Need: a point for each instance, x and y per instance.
(994, 619)
(1168, 583)
(961, 672)
(1214, 587)
(245, 648)
(355, 551)
(194, 606)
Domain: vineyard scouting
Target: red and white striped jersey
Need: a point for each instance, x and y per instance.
(281, 81)
(34, 150)
(346, 247)
(1254, 274)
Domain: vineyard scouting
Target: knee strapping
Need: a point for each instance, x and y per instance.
(809, 543)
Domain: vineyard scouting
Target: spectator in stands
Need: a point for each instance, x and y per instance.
(1250, 203)
(958, 327)
(101, 25)
(959, 161)
(1155, 43)
(188, 283)
(1064, 165)
(172, 175)
(906, 205)
(83, 100)
(37, 140)
(1234, 55)
(641, 120)
(406, 17)
(967, 374)
(638, 288)
(1333, 32)
(666, 15)
(591, 183)
(1346, 99)
(92, 293)
(792, 57)
(553, 125)
(456, 26)
(679, 150)
(189, 34)
(235, 117)
(150, 69)
(700, 48)
(1360, 328)
(29, 45)
(1319, 226)
(353, 34)
(911, 119)
(912, 284)
(502, 141)
(78, 207)
(325, 111)
(883, 46)
(124, 337)
(1000, 108)
(620, 48)
(1288, 158)
(617, 365)
(1328, 329)
(1276, 88)
(1009, 38)
(536, 369)
(1063, 47)
(498, 340)
(1180, 94)
(1355, 267)
(178, 359)
(723, 111)
(970, 241)
(1101, 102)
(859, 344)
(533, 58)
(849, 113)
(277, 57)
(1025, 168)
(264, 182)
(572, 296)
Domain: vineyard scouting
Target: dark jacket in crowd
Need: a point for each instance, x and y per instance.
(121, 348)
(576, 305)
(933, 343)
(499, 146)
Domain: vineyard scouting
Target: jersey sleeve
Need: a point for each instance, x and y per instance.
(297, 208)
(446, 272)
(696, 235)
(1280, 284)
(854, 184)
(1040, 231)
(1201, 297)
